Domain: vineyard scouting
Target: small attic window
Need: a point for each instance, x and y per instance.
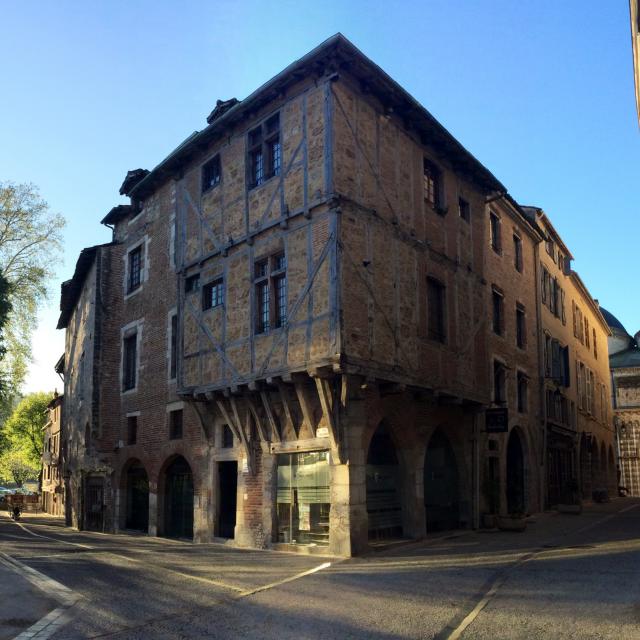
(211, 173)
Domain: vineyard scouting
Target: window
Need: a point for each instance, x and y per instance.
(173, 346)
(522, 391)
(192, 283)
(521, 329)
(595, 345)
(494, 228)
(565, 366)
(270, 279)
(265, 152)
(550, 247)
(499, 376)
(129, 361)
(517, 253)
(436, 327)
(586, 333)
(134, 262)
(213, 294)
(432, 185)
(556, 361)
(211, 174)
(132, 429)
(464, 210)
(175, 424)
(498, 312)
(545, 277)
(560, 262)
(227, 437)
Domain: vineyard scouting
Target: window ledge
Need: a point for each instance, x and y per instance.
(133, 293)
(263, 183)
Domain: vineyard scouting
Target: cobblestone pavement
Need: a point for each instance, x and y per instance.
(566, 576)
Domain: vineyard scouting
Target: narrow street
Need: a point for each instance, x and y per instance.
(566, 576)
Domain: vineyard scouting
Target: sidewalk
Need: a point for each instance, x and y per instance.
(21, 603)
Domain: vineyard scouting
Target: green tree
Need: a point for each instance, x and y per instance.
(15, 466)
(30, 242)
(23, 429)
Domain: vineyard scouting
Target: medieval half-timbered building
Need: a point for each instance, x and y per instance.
(317, 326)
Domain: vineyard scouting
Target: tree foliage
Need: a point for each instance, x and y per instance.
(23, 429)
(15, 466)
(30, 242)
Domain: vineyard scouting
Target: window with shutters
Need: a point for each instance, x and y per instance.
(517, 253)
(586, 333)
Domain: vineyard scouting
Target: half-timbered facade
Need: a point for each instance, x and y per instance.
(299, 347)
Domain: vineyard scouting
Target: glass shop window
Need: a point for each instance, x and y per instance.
(303, 501)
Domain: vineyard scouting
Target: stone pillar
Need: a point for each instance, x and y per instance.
(414, 524)
(153, 511)
(118, 524)
(348, 525)
(269, 489)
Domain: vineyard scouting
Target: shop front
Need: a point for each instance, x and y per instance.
(303, 498)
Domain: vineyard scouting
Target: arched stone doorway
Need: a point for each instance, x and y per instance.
(515, 474)
(384, 495)
(136, 494)
(441, 490)
(178, 499)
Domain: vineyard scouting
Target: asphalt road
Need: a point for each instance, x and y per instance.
(566, 576)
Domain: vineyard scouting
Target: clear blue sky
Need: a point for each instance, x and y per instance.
(539, 91)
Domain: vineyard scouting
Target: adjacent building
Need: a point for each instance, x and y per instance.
(576, 386)
(319, 323)
(53, 499)
(624, 360)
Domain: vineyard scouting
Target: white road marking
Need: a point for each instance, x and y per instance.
(297, 576)
(38, 535)
(502, 577)
(54, 620)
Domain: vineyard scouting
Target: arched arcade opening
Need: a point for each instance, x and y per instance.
(177, 497)
(441, 485)
(384, 495)
(135, 491)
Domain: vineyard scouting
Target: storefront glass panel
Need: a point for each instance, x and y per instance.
(303, 498)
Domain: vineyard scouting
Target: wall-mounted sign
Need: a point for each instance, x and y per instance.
(322, 432)
(245, 465)
(497, 420)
